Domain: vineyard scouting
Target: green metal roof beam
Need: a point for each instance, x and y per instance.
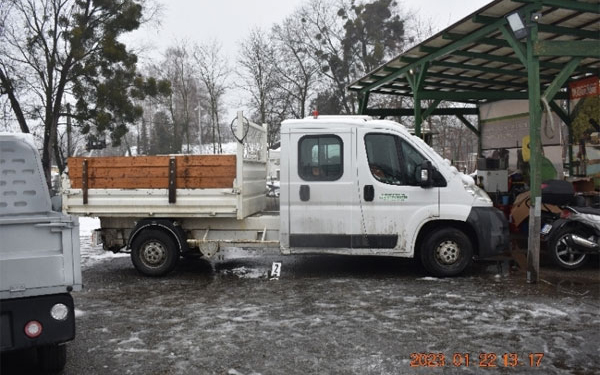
(432, 107)
(468, 39)
(436, 85)
(409, 112)
(504, 59)
(519, 49)
(468, 124)
(566, 4)
(477, 80)
(364, 101)
(591, 34)
(472, 95)
(560, 113)
(582, 48)
(479, 95)
(489, 41)
(560, 79)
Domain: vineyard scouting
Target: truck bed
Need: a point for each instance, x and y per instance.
(231, 186)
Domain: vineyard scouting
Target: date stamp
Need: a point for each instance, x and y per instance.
(481, 360)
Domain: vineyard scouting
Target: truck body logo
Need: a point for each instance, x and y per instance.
(393, 197)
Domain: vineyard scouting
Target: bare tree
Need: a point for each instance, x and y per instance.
(296, 71)
(213, 72)
(258, 71)
(178, 67)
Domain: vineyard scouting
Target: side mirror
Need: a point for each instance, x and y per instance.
(426, 174)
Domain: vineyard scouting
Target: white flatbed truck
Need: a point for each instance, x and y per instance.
(349, 185)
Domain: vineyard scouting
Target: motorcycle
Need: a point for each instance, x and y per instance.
(573, 237)
(574, 234)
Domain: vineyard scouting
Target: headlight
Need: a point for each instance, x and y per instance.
(59, 311)
(478, 193)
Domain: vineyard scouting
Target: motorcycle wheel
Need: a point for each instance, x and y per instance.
(562, 254)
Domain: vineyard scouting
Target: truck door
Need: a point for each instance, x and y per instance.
(322, 189)
(393, 204)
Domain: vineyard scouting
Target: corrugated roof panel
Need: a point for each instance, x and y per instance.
(491, 52)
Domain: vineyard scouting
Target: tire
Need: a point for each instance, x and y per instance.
(154, 253)
(446, 252)
(52, 358)
(560, 251)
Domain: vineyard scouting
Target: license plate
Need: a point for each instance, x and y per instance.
(546, 229)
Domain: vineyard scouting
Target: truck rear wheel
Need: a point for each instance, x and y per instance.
(52, 358)
(154, 253)
(446, 252)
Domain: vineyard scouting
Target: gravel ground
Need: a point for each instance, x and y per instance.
(329, 315)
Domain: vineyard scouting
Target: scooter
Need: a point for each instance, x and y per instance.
(574, 236)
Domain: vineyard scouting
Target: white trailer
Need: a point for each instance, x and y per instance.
(39, 258)
(349, 185)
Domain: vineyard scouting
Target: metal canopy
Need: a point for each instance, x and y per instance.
(478, 59)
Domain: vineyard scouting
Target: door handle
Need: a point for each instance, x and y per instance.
(369, 193)
(304, 193)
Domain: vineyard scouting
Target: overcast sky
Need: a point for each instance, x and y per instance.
(229, 21)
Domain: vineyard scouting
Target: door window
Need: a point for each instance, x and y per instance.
(320, 158)
(392, 160)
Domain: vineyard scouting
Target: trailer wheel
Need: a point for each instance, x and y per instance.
(154, 253)
(446, 252)
(52, 358)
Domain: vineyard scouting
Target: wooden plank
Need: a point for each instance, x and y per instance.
(152, 172)
(228, 171)
(155, 183)
(157, 161)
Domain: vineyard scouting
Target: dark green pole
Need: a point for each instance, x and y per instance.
(364, 101)
(535, 162)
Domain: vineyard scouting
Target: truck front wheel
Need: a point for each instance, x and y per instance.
(154, 253)
(446, 252)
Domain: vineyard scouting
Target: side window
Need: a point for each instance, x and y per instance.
(383, 154)
(320, 158)
(392, 160)
(412, 162)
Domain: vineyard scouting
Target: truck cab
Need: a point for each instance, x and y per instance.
(356, 186)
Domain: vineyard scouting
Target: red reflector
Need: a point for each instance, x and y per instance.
(33, 329)
(565, 214)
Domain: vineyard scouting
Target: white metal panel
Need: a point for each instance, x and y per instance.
(39, 254)
(151, 203)
(396, 209)
(330, 209)
(23, 188)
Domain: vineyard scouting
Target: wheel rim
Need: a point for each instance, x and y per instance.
(153, 254)
(565, 254)
(447, 252)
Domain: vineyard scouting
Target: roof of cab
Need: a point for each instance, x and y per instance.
(340, 121)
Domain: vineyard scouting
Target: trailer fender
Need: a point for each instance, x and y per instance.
(169, 226)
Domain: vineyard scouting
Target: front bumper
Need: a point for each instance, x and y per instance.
(491, 229)
(16, 313)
